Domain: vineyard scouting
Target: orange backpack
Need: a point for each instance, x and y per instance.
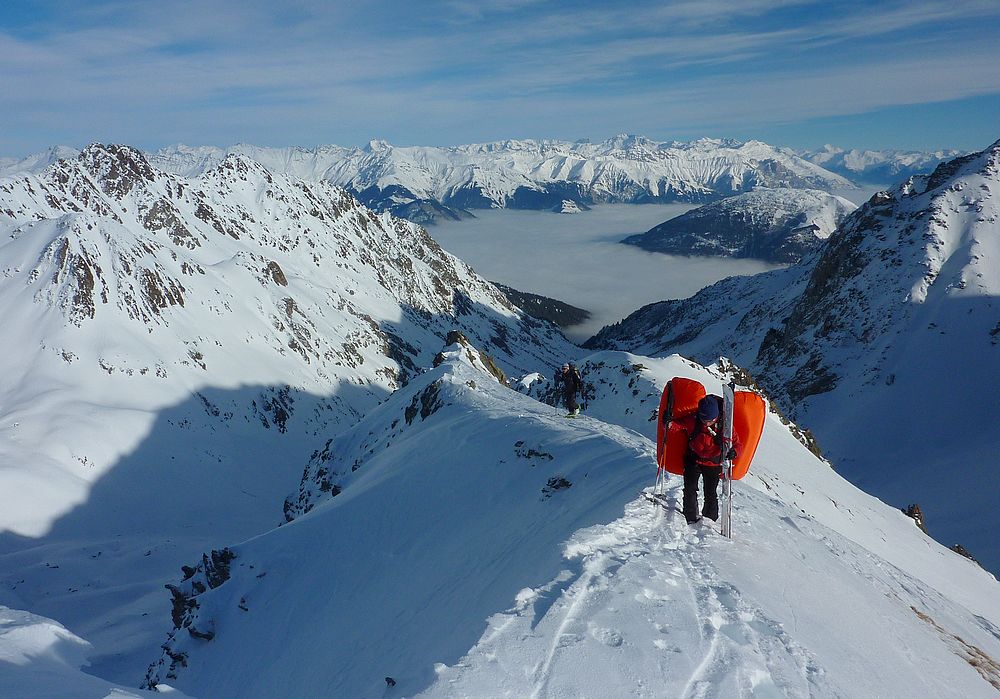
(680, 398)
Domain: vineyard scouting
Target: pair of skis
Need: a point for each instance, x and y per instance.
(728, 408)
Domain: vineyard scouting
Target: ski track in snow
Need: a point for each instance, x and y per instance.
(702, 635)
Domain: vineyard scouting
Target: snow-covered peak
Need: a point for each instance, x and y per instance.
(117, 168)
(779, 225)
(378, 146)
(35, 162)
(185, 346)
(876, 166)
(626, 141)
(177, 343)
(459, 349)
(238, 276)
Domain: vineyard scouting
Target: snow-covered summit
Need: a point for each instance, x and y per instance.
(36, 162)
(779, 225)
(877, 166)
(879, 341)
(191, 350)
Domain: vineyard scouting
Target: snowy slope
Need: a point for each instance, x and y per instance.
(176, 345)
(528, 174)
(36, 162)
(778, 225)
(883, 342)
(877, 166)
(471, 541)
(40, 659)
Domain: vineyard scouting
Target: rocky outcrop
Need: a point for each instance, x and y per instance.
(190, 625)
(562, 314)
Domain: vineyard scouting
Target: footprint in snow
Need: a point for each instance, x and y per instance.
(608, 637)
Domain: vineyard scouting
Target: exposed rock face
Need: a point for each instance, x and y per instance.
(917, 515)
(777, 225)
(562, 314)
(210, 573)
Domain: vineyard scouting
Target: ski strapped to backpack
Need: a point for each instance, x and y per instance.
(728, 410)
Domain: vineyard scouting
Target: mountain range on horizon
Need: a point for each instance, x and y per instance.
(423, 184)
(878, 166)
(335, 444)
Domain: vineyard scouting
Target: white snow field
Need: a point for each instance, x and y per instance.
(40, 659)
(484, 545)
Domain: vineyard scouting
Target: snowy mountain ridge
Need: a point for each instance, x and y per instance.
(877, 166)
(152, 262)
(36, 162)
(179, 345)
(423, 182)
(539, 174)
(778, 225)
(876, 341)
(494, 507)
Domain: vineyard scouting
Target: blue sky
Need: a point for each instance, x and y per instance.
(920, 74)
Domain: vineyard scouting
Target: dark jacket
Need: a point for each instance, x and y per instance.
(570, 379)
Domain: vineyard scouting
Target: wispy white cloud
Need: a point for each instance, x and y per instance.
(135, 70)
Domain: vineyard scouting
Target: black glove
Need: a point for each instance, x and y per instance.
(731, 454)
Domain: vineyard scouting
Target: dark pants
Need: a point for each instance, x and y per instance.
(570, 398)
(711, 475)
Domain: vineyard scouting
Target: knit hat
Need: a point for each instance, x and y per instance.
(708, 408)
